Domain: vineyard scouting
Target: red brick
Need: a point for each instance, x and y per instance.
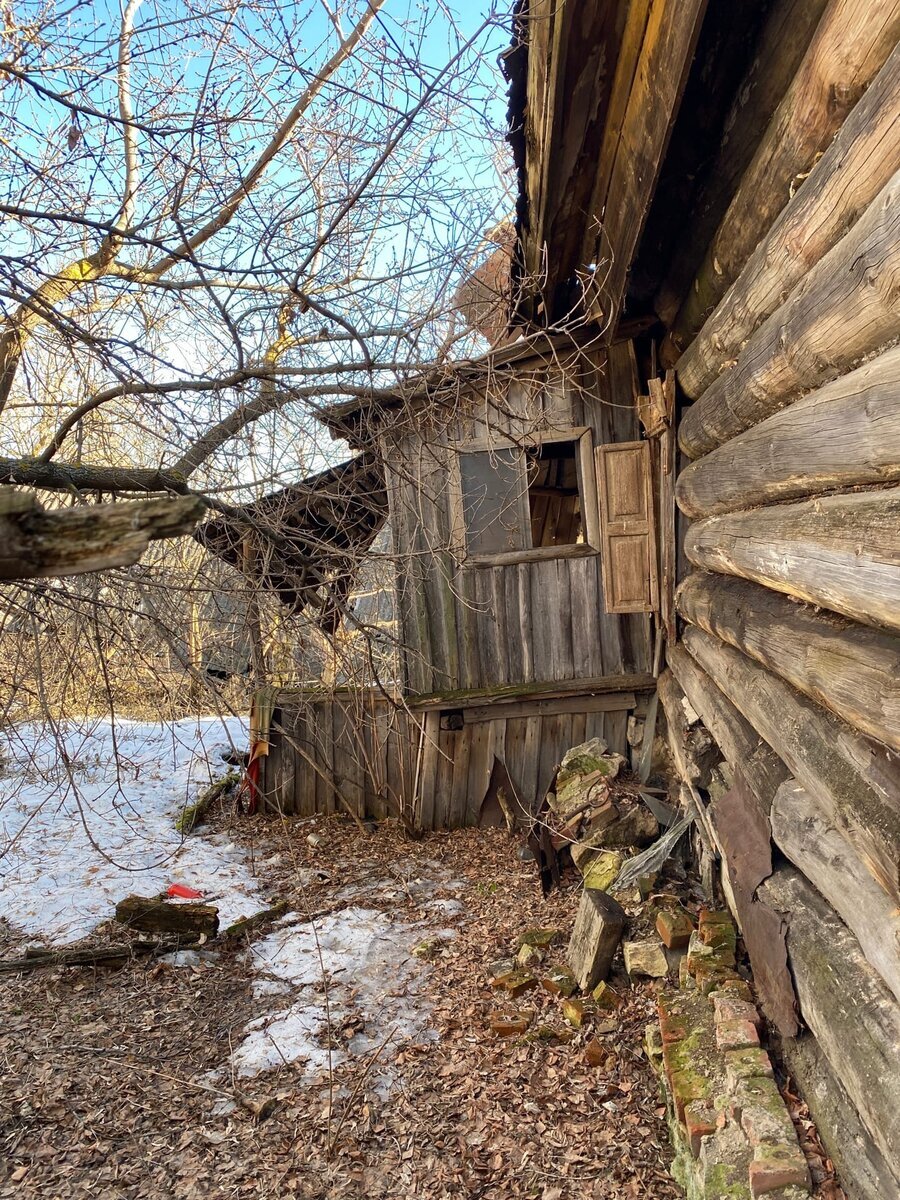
(675, 928)
(773, 1172)
(699, 1122)
(736, 1035)
(744, 1064)
(732, 1008)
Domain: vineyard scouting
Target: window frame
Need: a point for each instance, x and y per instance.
(582, 435)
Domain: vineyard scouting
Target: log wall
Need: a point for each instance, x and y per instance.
(789, 646)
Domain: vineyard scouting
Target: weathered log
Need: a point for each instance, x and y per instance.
(741, 745)
(853, 1015)
(783, 41)
(863, 1170)
(599, 923)
(850, 668)
(801, 829)
(846, 307)
(855, 780)
(846, 434)
(849, 48)
(698, 752)
(164, 916)
(90, 956)
(92, 537)
(841, 185)
(841, 552)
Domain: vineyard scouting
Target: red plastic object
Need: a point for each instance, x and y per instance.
(186, 893)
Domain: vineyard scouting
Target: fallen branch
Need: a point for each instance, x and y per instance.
(92, 956)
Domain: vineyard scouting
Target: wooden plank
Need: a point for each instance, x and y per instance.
(742, 746)
(845, 180)
(802, 830)
(627, 527)
(670, 36)
(845, 308)
(480, 762)
(849, 48)
(841, 552)
(855, 779)
(782, 43)
(573, 705)
(599, 924)
(849, 668)
(845, 434)
(530, 782)
(853, 1015)
(589, 686)
(668, 565)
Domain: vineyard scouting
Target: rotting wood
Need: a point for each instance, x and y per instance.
(803, 831)
(741, 745)
(845, 434)
(90, 537)
(851, 44)
(847, 667)
(93, 956)
(855, 779)
(844, 181)
(783, 41)
(547, 690)
(846, 1004)
(165, 916)
(599, 924)
(745, 837)
(611, 702)
(690, 771)
(846, 307)
(863, 1169)
(840, 552)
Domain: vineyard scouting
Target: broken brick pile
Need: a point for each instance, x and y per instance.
(733, 1135)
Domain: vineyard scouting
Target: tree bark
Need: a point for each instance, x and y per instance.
(846, 434)
(742, 746)
(840, 552)
(828, 860)
(842, 184)
(849, 668)
(855, 1019)
(847, 306)
(855, 780)
(849, 48)
(164, 916)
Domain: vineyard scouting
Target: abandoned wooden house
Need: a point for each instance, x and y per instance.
(701, 394)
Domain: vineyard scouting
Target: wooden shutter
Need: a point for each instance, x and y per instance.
(627, 536)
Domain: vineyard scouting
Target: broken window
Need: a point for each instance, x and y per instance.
(519, 501)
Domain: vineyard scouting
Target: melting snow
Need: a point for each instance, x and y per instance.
(88, 817)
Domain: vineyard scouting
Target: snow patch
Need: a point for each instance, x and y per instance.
(87, 817)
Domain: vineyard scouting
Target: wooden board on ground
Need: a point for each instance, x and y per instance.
(599, 924)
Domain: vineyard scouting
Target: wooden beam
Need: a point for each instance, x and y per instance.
(847, 306)
(851, 44)
(855, 780)
(846, 434)
(35, 544)
(851, 1012)
(842, 184)
(741, 745)
(516, 692)
(670, 37)
(553, 707)
(862, 1168)
(849, 668)
(782, 42)
(840, 551)
(803, 831)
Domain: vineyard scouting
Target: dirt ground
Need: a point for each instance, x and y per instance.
(117, 1083)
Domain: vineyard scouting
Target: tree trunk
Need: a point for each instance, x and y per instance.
(855, 1019)
(851, 669)
(163, 916)
(827, 859)
(840, 552)
(742, 746)
(855, 780)
(849, 48)
(846, 434)
(841, 185)
(847, 306)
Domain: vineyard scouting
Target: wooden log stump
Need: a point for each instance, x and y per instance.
(599, 924)
(164, 916)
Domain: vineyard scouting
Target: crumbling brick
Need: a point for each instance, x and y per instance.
(736, 1035)
(775, 1171)
(699, 1122)
(675, 927)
